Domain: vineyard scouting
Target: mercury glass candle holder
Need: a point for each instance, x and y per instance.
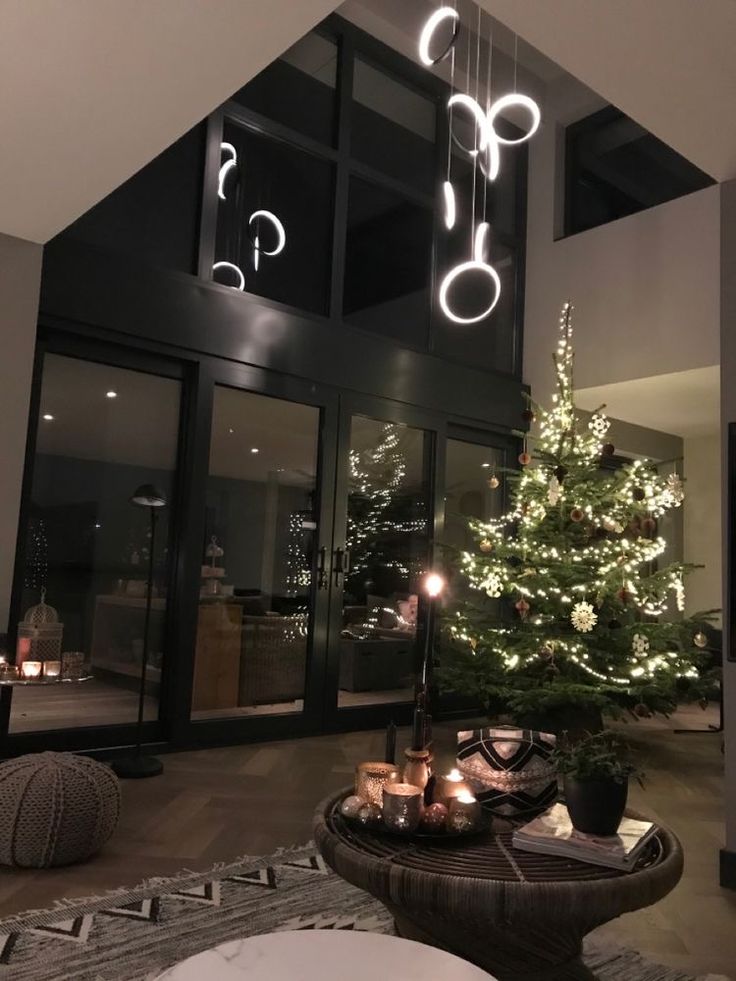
(463, 813)
(371, 778)
(447, 786)
(52, 670)
(402, 807)
(8, 672)
(31, 670)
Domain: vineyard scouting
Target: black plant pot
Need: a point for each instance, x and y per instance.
(595, 806)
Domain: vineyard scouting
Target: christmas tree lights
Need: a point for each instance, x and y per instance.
(567, 605)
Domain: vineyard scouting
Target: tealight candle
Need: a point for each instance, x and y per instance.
(371, 778)
(31, 669)
(52, 670)
(448, 786)
(402, 806)
(463, 813)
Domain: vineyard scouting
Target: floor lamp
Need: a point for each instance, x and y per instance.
(137, 765)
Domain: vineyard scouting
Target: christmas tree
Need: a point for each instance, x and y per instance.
(565, 604)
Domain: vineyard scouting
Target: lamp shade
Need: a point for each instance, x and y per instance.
(148, 496)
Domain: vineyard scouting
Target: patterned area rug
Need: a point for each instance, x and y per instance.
(135, 934)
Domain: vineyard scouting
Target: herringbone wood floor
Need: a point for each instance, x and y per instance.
(213, 805)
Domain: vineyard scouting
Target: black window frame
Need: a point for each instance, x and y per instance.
(353, 43)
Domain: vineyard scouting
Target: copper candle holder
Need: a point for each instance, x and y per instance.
(371, 779)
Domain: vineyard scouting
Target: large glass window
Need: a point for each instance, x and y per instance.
(103, 432)
(255, 605)
(388, 263)
(388, 544)
(298, 90)
(291, 263)
(614, 167)
(393, 127)
(473, 489)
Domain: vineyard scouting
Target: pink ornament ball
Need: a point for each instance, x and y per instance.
(434, 819)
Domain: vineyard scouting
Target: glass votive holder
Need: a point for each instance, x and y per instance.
(371, 778)
(463, 813)
(31, 670)
(72, 665)
(8, 672)
(447, 786)
(52, 670)
(402, 807)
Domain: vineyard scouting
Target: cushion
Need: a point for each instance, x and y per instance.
(510, 770)
(55, 809)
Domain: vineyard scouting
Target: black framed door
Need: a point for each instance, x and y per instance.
(258, 579)
(386, 518)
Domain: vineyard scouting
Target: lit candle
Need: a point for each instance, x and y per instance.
(402, 807)
(371, 779)
(31, 669)
(8, 672)
(463, 813)
(448, 786)
(52, 670)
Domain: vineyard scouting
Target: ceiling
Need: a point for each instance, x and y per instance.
(91, 91)
(669, 64)
(683, 403)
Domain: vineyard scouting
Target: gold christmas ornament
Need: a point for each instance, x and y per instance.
(493, 481)
(486, 545)
(700, 640)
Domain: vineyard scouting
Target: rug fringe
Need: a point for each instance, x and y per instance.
(71, 907)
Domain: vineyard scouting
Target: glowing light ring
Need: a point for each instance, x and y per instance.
(269, 216)
(450, 278)
(233, 268)
(479, 248)
(506, 102)
(450, 207)
(226, 167)
(481, 121)
(425, 38)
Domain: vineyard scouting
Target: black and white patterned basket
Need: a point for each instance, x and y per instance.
(510, 770)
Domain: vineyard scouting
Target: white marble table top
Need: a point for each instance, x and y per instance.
(323, 955)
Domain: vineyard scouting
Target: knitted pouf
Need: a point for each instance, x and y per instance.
(55, 809)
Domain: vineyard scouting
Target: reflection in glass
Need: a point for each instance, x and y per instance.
(295, 187)
(87, 547)
(257, 557)
(387, 263)
(298, 90)
(473, 489)
(388, 542)
(393, 127)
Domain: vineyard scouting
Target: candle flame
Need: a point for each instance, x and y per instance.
(455, 775)
(466, 797)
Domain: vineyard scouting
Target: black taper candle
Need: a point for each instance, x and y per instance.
(417, 733)
(390, 755)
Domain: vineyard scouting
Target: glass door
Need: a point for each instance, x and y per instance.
(263, 556)
(384, 521)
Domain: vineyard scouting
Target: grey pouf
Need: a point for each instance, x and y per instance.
(55, 809)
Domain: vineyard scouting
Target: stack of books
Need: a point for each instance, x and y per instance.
(552, 833)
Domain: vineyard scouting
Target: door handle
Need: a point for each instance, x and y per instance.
(322, 569)
(341, 563)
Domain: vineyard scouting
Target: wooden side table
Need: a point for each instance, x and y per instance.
(518, 915)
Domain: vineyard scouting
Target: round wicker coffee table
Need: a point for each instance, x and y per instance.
(518, 915)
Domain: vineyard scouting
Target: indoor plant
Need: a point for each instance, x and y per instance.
(595, 773)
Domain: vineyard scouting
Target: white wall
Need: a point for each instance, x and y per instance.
(20, 276)
(702, 521)
(645, 287)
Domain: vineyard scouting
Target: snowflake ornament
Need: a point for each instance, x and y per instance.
(674, 492)
(640, 645)
(554, 492)
(599, 425)
(583, 617)
(493, 585)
